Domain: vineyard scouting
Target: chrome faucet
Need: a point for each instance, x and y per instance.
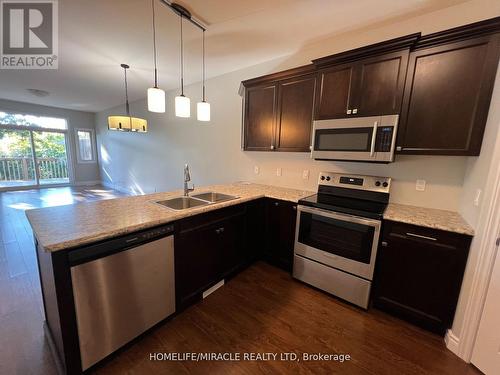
(187, 178)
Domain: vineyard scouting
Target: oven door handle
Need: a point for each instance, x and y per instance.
(339, 216)
(374, 137)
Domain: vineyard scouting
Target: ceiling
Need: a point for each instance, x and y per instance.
(95, 36)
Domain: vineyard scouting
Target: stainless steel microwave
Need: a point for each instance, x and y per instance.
(371, 139)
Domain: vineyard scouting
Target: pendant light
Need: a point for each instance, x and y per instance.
(182, 103)
(127, 123)
(203, 108)
(156, 96)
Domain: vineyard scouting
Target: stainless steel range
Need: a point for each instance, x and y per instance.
(337, 234)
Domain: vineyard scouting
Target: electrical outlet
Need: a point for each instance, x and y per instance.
(477, 198)
(305, 174)
(278, 172)
(256, 170)
(420, 185)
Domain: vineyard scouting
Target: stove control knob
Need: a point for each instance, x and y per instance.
(385, 184)
(328, 178)
(322, 178)
(377, 183)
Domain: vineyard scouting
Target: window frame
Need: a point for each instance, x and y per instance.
(92, 143)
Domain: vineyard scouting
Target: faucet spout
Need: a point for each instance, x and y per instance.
(187, 178)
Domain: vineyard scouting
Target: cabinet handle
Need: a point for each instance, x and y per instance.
(221, 229)
(384, 244)
(217, 231)
(354, 111)
(276, 204)
(272, 147)
(420, 236)
(349, 111)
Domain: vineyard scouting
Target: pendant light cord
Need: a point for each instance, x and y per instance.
(182, 62)
(203, 58)
(154, 44)
(127, 106)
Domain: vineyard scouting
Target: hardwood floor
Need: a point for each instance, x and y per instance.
(262, 310)
(23, 347)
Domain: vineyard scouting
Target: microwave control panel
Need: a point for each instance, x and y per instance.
(383, 140)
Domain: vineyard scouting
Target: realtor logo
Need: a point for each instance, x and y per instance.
(29, 30)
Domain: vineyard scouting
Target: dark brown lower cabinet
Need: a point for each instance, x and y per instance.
(280, 233)
(419, 273)
(208, 248)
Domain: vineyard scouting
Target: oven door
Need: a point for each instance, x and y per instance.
(345, 242)
(357, 139)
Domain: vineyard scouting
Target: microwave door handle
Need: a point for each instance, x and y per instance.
(374, 136)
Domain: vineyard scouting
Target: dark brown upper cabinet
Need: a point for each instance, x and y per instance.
(363, 82)
(447, 95)
(372, 86)
(278, 111)
(333, 95)
(295, 109)
(260, 117)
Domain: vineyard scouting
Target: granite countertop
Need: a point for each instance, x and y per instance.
(428, 217)
(63, 227)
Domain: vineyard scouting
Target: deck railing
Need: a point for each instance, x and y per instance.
(22, 169)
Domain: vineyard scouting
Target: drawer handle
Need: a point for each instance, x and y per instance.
(276, 204)
(420, 236)
(384, 244)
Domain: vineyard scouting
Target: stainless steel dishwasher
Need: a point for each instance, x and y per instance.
(121, 288)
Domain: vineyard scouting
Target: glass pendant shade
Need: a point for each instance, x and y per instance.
(156, 100)
(182, 106)
(127, 124)
(203, 111)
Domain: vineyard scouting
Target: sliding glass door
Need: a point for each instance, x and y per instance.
(31, 156)
(17, 167)
(50, 156)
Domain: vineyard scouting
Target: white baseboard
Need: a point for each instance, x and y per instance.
(87, 183)
(452, 342)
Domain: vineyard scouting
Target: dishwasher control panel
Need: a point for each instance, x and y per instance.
(158, 232)
(108, 247)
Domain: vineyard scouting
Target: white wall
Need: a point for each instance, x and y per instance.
(479, 176)
(76, 119)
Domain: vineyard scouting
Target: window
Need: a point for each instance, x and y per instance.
(85, 144)
(19, 119)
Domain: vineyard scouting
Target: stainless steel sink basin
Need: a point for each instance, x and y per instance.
(182, 203)
(214, 197)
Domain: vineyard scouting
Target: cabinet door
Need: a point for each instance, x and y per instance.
(333, 93)
(197, 263)
(447, 98)
(231, 235)
(281, 219)
(379, 84)
(419, 273)
(260, 117)
(296, 103)
(255, 235)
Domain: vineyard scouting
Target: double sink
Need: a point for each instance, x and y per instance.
(197, 200)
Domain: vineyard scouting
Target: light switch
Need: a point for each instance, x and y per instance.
(278, 172)
(305, 174)
(256, 170)
(420, 185)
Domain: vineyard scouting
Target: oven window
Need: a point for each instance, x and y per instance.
(350, 139)
(349, 240)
